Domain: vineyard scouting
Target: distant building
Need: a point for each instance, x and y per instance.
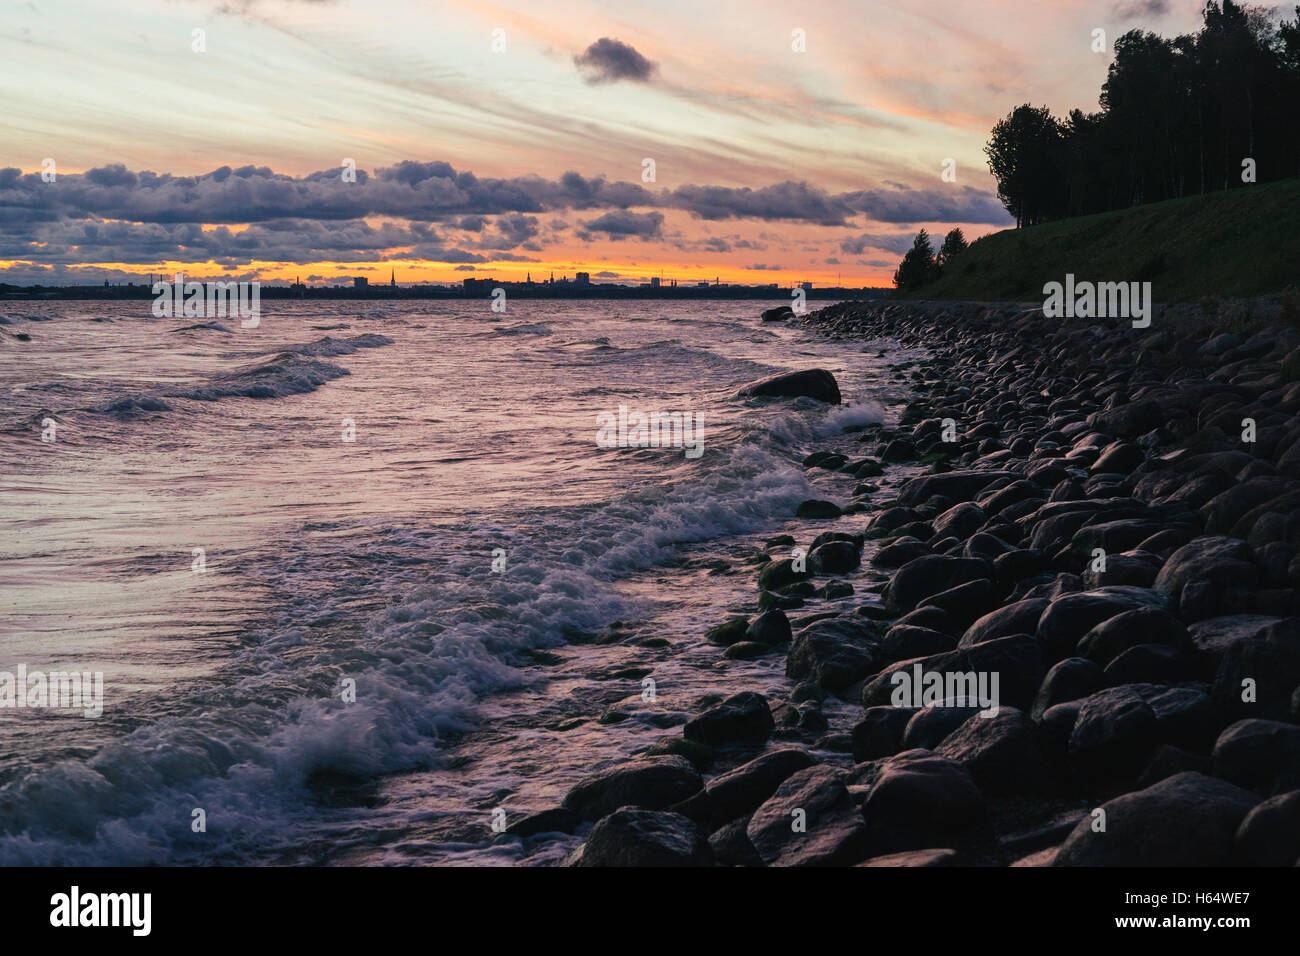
(806, 286)
(361, 282)
(654, 282)
(582, 278)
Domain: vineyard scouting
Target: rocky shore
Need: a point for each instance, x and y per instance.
(1101, 533)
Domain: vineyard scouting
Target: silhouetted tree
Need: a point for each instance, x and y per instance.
(953, 243)
(1177, 116)
(917, 267)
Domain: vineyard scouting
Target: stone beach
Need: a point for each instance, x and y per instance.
(1098, 521)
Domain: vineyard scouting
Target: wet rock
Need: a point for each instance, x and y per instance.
(1151, 827)
(834, 653)
(959, 521)
(811, 820)
(835, 557)
(817, 508)
(778, 314)
(740, 791)
(770, 627)
(634, 837)
(557, 820)
(812, 383)
(779, 574)
(651, 783)
(744, 718)
(729, 632)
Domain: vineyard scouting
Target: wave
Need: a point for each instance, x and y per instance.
(256, 747)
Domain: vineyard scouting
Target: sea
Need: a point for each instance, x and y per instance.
(363, 582)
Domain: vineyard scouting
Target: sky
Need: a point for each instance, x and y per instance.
(750, 141)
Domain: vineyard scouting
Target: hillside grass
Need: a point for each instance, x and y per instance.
(1233, 244)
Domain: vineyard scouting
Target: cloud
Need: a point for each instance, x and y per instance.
(609, 60)
(623, 223)
(1140, 9)
(760, 267)
(855, 245)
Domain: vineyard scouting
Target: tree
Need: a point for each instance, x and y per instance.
(953, 243)
(1024, 155)
(917, 267)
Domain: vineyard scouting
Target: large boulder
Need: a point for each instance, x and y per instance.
(1185, 820)
(1017, 661)
(1208, 577)
(1070, 617)
(835, 652)
(918, 798)
(1117, 729)
(634, 837)
(743, 718)
(1020, 617)
(929, 575)
(811, 383)
(651, 783)
(811, 820)
(957, 485)
(1003, 752)
(741, 791)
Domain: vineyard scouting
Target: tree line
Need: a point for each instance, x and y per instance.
(1183, 116)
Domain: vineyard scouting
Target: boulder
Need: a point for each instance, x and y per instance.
(917, 798)
(743, 718)
(811, 820)
(1004, 753)
(1188, 819)
(1270, 833)
(1260, 755)
(651, 783)
(811, 383)
(923, 577)
(835, 652)
(634, 837)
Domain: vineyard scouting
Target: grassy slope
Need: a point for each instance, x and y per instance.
(1238, 243)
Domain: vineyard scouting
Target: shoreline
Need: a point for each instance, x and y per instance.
(1106, 522)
